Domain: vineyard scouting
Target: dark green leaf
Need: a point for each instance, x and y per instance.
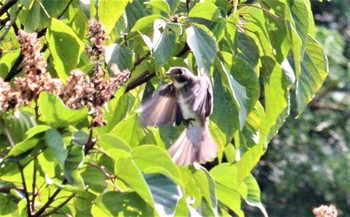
(74, 160)
(165, 192)
(203, 46)
(55, 143)
(121, 55)
(163, 43)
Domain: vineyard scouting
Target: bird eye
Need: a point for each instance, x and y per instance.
(179, 72)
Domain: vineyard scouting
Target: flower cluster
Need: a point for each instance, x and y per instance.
(80, 88)
(325, 211)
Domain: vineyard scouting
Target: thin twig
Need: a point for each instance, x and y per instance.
(49, 201)
(12, 22)
(34, 188)
(59, 206)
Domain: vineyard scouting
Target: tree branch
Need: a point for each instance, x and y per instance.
(6, 6)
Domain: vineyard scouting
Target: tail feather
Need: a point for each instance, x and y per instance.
(193, 145)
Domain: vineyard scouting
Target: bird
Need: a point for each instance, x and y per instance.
(187, 99)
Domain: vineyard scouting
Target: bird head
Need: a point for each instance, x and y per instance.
(180, 75)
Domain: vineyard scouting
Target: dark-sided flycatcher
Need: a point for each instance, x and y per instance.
(187, 99)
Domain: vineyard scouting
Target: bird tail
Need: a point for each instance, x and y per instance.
(195, 144)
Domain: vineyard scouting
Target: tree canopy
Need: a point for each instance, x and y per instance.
(74, 72)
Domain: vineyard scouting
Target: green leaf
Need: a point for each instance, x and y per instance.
(56, 114)
(160, 4)
(9, 206)
(206, 184)
(253, 197)
(73, 161)
(165, 192)
(94, 178)
(205, 10)
(238, 94)
(18, 123)
(276, 87)
(226, 175)
(203, 46)
(7, 60)
(121, 55)
(55, 143)
(127, 171)
(276, 27)
(109, 11)
(108, 141)
(314, 70)
(153, 159)
(230, 198)
(22, 149)
(129, 130)
(114, 203)
(223, 104)
(32, 20)
(65, 46)
(80, 138)
(163, 42)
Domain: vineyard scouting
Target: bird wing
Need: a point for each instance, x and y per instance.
(201, 96)
(161, 108)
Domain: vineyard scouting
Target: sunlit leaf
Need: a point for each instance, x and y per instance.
(65, 46)
(109, 11)
(126, 170)
(114, 203)
(56, 114)
(314, 70)
(152, 159)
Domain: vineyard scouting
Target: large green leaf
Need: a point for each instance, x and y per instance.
(153, 159)
(202, 45)
(165, 192)
(314, 70)
(253, 194)
(230, 198)
(126, 170)
(109, 11)
(129, 130)
(73, 161)
(121, 55)
(226, 175)
(276, 101)
(65, 46)
(206, 10)
(223, 104)
(277, 27)
(114, 203)
(163, 43)
(56, 114)
(55, 143)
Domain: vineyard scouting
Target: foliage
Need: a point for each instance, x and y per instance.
(56, 160)
(317, 144)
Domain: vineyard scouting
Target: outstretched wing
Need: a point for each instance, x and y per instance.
(161, 108)
(201, 96)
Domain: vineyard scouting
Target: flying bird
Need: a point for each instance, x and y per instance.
(187, 99)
